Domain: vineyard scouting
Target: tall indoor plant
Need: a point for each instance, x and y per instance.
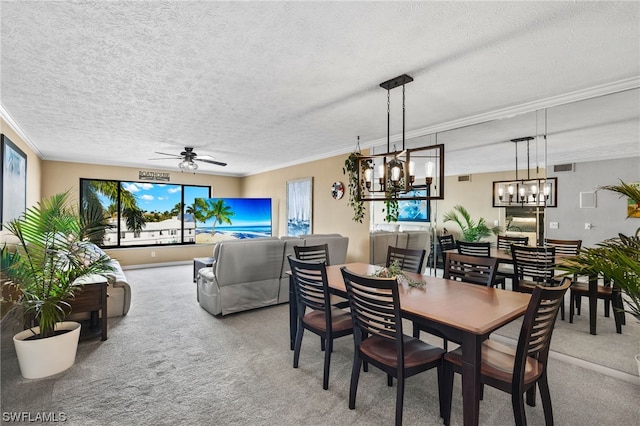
(472, 231)
(50, 257)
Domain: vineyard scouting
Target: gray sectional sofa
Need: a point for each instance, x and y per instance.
(252, 273)
(379, 241)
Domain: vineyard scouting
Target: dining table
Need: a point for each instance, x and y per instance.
(463, 313)
(505, 257)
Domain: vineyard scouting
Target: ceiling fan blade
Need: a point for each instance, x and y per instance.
(166, 158)
(217, 163)
(164, 153)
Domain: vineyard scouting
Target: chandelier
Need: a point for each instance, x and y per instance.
(541, 192)
(405, 174)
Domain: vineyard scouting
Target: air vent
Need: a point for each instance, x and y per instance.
(563, 167)
(464, 178)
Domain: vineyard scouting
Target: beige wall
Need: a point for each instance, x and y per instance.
(34, 164)
(329, 215)
(62, 176)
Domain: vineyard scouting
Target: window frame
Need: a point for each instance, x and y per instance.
(120, 233)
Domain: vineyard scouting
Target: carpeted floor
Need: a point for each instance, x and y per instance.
(169, 362)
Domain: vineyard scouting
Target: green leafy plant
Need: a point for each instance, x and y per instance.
(391, 210)
(50, 258)
(394, 270)
(472, 231)
(616, 259)
(351, 170)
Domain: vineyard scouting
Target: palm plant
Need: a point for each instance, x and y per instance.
(472, 231)
(50, 259)
(616, 259)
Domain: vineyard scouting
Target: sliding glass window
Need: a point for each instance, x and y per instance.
(141, 213)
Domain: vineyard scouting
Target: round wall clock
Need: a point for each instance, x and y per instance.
(337, 190)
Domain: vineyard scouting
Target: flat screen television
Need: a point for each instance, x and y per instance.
(219, 219)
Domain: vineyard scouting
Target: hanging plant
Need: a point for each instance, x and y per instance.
(351, 170)
(391, 210)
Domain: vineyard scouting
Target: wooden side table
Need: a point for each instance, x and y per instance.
(92, 297)
(199, 263)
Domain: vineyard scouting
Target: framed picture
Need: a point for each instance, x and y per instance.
(414, 210)
(299, 206)
(14, 181)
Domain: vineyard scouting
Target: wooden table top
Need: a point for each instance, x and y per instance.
(467, 307)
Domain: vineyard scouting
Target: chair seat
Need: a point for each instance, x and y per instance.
(498, 362)
(583, 289)
(506, 271)
(416, 352)
(340, 319)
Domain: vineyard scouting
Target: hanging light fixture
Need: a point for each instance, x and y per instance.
(391, 176)
(541, 192)
(188, 165)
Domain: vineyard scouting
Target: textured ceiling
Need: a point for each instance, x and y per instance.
(260, 85)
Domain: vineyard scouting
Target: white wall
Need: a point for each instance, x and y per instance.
(609, 217)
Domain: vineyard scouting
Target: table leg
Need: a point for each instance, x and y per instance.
(471, 358)
(593, 303)
(293, 313)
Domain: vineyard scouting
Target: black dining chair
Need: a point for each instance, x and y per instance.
(504, 243)
(409, 260)
(534, 266)
(482, 249)
(445, 242)
(379, 340)
(470, 269)
(517, 370)
(317, 253)
(315, 312)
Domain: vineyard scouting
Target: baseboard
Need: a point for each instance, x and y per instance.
(158, 265)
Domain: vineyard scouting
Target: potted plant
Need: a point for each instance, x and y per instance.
(616, 259)
(472, 231)
(50, 257)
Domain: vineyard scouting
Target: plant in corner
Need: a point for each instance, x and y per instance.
(472, 231)
(50, 258)
(615, 259)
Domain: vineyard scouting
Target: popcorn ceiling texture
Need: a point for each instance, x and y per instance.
(264, 84)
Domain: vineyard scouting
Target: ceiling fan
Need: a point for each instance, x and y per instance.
(189, 159)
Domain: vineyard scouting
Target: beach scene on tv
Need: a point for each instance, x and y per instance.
(219, 219)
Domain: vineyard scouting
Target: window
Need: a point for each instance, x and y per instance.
(137, 211)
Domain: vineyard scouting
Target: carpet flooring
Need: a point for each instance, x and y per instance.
(169, 362)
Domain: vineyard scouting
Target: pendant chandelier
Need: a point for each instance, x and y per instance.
(392, 176)
(541, 192)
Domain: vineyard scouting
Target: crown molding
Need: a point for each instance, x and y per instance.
(575, 96)
(4, 114)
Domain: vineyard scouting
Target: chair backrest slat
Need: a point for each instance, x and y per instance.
(474, 248)
(375, 306)
(538, 324)
(409, 260)
(504, 242)
(534, 263)
(318, 253)
(310, 285)
(568, 247)
(446, 242)
(471, 269)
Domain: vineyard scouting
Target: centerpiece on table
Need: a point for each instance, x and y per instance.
(394, 270)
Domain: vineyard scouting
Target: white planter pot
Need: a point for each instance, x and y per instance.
(46, 357)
